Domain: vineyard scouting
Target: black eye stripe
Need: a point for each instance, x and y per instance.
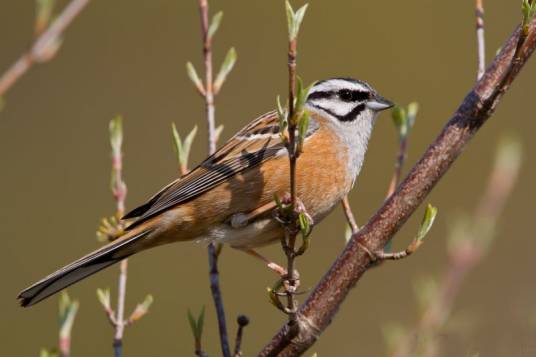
(320, 95)
(344, 94)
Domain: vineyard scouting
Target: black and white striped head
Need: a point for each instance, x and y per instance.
(346, 99)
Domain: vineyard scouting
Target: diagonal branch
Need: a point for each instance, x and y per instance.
(323, 303)
(44, 47)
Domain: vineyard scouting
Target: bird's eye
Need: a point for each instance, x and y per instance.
(346, 95)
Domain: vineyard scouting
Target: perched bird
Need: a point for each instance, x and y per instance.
(229, 196)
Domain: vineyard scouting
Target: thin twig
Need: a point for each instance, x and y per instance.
(399, 164)
(217, 297)
(119, 191)
(349, 215)
(242, 321)
(44, 46)
(290, 231)
(323, 303)
(481, 44)
(213, 250)
(209, 93)
(120, 317)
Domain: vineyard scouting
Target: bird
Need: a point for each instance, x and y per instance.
(229, 197)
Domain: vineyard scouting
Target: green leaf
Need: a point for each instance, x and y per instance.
(192, 74)
(218, 131)
(226, 67)
(182, 149)
(177, 143)
(427, 222)
(201, 322)
(294, 19)
(215, 24)
(193, 323)
(274, 299)
(49, 353)
(116, 133)
(290, 18)
(67, 314)
(281, 112)
(187, 146)
(278, 201)
(43, 14)
(197, 325)
(141, 309)
(528, 10)
(303, 125)
(412, 110)
(400, 119)
(298, 18)
(305, 226)
(104, 298)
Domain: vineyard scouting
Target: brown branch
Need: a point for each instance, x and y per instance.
(213, 249)
(44, 47)
(481, 44)
(323, 303)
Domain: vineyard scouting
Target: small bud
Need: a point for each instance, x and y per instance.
(242, 320)
(104, 298)
(294, 20)
(192, 74)
(141, 309)
(215, 24)
(43, 15)
(226, 67)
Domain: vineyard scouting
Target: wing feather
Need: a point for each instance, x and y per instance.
(257, 142)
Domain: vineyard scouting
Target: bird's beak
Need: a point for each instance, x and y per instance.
(379, 103)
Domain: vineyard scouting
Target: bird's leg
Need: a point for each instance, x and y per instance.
(278, 269)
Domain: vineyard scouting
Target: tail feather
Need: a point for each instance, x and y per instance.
(80, 269)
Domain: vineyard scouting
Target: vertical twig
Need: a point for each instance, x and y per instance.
(213, 249)
(119, 190)
(291, 233)
(209, 88)
(294, 217)
(44, 47)
(399, 164)
(481, 44)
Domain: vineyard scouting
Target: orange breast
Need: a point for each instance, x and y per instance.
(321, 183)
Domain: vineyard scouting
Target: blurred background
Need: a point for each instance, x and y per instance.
(128, 57)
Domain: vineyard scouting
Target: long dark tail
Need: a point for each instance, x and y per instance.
(81, 268)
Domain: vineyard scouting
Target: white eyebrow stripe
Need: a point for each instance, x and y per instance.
(337, 84)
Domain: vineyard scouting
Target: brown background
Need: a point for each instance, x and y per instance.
(128, 57)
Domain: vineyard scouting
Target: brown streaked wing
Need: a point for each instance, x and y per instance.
(241, 152)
